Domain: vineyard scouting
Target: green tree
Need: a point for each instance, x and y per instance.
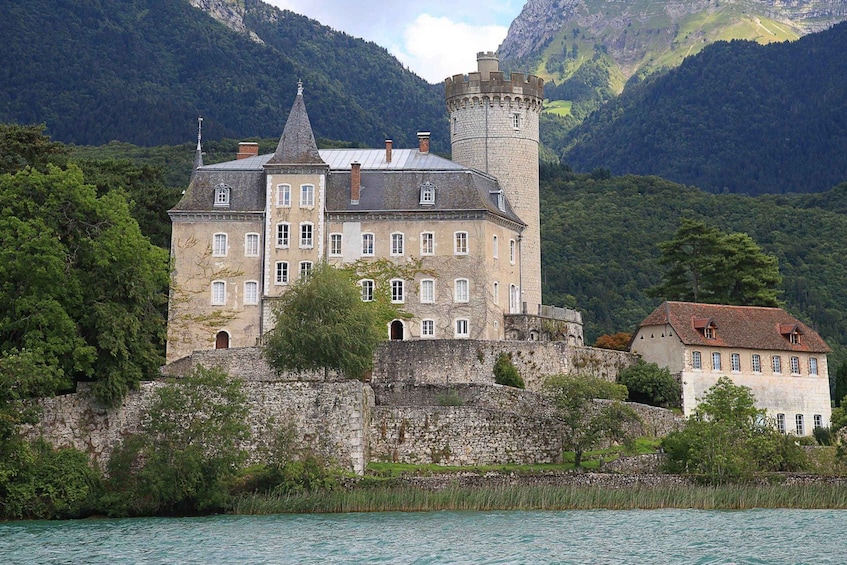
(322, 323)
(584, 425)
(81, 289)
(188, 452)
(728, 439)
(839, 384)
(648, 383)
(28, 146)
(706, 265)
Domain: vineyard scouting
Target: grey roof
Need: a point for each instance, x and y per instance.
(297, 143)
(393, 186)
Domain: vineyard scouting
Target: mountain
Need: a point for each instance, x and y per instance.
(738, 117)
(557, 37)
(141, 71)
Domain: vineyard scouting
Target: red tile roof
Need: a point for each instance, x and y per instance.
(744, 327)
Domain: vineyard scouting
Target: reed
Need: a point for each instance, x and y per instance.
(409, 499)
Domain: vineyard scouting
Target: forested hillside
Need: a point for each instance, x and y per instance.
(141, 71)
(738, 117)
(599, 237)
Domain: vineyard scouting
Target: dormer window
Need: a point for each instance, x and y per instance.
(791, 332)
(501, 200)
(707, 327)
(222, 195)
(428, 194)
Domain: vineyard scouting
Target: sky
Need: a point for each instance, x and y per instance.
(434, 38)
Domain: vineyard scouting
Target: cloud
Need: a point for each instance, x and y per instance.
(438, 47)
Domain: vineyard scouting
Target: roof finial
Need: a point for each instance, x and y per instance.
(299, 88)
(199, 131)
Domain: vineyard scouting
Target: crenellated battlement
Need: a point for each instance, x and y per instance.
(491, 83)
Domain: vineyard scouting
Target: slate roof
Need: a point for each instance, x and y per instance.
(743, 327)
(297, 143)
(393, 186)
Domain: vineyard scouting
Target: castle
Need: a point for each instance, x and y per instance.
(247, 229)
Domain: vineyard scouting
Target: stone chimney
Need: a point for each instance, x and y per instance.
(423, 141)
(388, 146)
(355, 181)
(247, 149)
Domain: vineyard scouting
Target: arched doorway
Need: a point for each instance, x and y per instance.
(397, 330)
(222, 340)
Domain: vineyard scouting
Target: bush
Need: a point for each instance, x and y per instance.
(505, 372)
(647, 383)
(823, 436)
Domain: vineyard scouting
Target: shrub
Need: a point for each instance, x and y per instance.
(823, 436)
(505, 372)
(647, 383)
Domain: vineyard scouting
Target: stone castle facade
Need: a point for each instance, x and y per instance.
(463, 236)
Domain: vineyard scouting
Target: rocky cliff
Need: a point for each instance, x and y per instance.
(558, 36)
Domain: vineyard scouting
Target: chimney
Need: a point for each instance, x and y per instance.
(423, 141)
(355, 181)
(388, 146)
(247, 149)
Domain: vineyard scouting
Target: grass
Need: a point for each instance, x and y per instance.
(409, 499)
(558, 107)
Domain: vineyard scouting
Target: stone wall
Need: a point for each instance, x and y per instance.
(455, 361)
(330, 419)
(245, 363)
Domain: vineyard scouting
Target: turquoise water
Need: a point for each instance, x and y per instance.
(601, 536)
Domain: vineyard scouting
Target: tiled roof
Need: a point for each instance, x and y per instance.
(744, 327)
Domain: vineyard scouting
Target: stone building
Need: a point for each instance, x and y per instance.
(247, 229)
(779, 358)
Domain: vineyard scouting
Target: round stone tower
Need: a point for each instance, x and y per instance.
(494, 128)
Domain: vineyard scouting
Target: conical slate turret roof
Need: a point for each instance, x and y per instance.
(198, 154)
(297, 145)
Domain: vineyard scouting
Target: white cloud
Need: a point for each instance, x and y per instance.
(438, 47)
(435, 39)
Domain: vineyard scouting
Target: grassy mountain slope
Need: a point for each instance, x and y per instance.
(599, 239)
(141, 71)
(738, 117)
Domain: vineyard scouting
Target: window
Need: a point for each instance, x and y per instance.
(219, 247)
(396, 243)
(501, 200)
(495, 248)
(251, 292)
(367, 244)
(757, 363)
(461, 293)
(335, 244)
(283, 195)
(281, 272)
(794, 338)
(516, 121)
(512, 251)
(780, 423)
(462, 328)
(397, 294)
(496, 293)
(367, 290)
(776, 364)
(251, 245)
(427, 328)
(709, 332)
(222, 195)
(283, 233)
(455, 126)
(306, 235)
(218, 293)
(818, 421)
(461, 245)
(427, 194)
(795, 365)
(514, 300)
(716, 361)
(305, 269)
(735, 362)
(427, 243)
(307, 195)
(798, 424)
(696, 360)
(427, 291)
(813, 365)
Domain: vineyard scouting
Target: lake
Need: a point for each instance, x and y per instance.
(598, 537)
